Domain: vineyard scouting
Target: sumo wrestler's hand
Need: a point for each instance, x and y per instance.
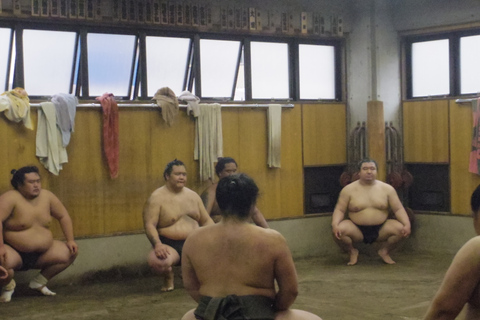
(161, 251)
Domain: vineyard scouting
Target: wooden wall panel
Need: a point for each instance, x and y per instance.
(324, 134)
(425, 131)
(462, 182)
(101, 206)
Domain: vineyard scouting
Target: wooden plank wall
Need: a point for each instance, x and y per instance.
(462, 181)
(324, 134)
(440, 131)
(101, 206)
(425, 131)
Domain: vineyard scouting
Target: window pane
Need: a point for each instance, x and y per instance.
(218, 63)
(110, 62)
(166, 63)
(269, 70)
(4, 54)
(48, 61)
(469, 64)
(430, 68)
(317, 72)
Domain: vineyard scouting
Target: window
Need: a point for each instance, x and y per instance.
(110, 63)
(48, 61)
(444, 64)
(430, 68)
(92, 60)
(218, 63)
(270, 77)
(167, 61)
(317, 72)
(469, 64)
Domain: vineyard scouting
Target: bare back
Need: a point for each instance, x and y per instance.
(176, 213)
(460, 287)
(245, 262)
(26, 227)
(367, 205)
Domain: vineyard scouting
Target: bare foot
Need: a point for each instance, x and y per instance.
(383, 253)
(168, 282)
(353, 257)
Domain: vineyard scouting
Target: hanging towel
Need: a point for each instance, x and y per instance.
(16, 105)
(475, 151)
(208, 139)
(49, 146)
(110, 132)
(65, 107)
(192, 102)
(274, 135)
(167, 100)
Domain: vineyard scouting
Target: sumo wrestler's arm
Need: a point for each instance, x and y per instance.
(6, 209)
(340, 210)
(398, 209)
(204, 218)
(59, 212)
(285, 275)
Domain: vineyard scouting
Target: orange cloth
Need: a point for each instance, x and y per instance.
(110, 132)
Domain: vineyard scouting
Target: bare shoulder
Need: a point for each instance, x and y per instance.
(349, 188)
(271, 235)
(196, 237)
(385, 186)
(190, 193)
(468, 257)
(472, 245)
(10, 195)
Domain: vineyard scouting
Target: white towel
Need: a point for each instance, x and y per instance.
(65, 106)
(208, 139)
(192, 102)
(274, 135)
(49, 146)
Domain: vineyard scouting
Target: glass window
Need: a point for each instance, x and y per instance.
(469, 64)
(317, 72)
(269, 70)
(430, 68)
(218, 64)
(166, 63)
(110, 63)
(4, 55)
(48, 61)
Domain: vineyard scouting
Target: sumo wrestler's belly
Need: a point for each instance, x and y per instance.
(33, 239)
(368, 217)
(179, 230)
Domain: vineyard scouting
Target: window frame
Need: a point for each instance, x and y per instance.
(454, 59)
(192, 77)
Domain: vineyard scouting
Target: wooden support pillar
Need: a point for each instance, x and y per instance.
(376, 137)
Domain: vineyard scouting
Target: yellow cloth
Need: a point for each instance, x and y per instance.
(208, 139)
(16, 105)
(274, 135)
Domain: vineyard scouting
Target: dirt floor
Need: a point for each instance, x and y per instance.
(370, 290)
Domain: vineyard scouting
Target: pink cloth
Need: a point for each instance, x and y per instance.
(110, 132)
(475, 153)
